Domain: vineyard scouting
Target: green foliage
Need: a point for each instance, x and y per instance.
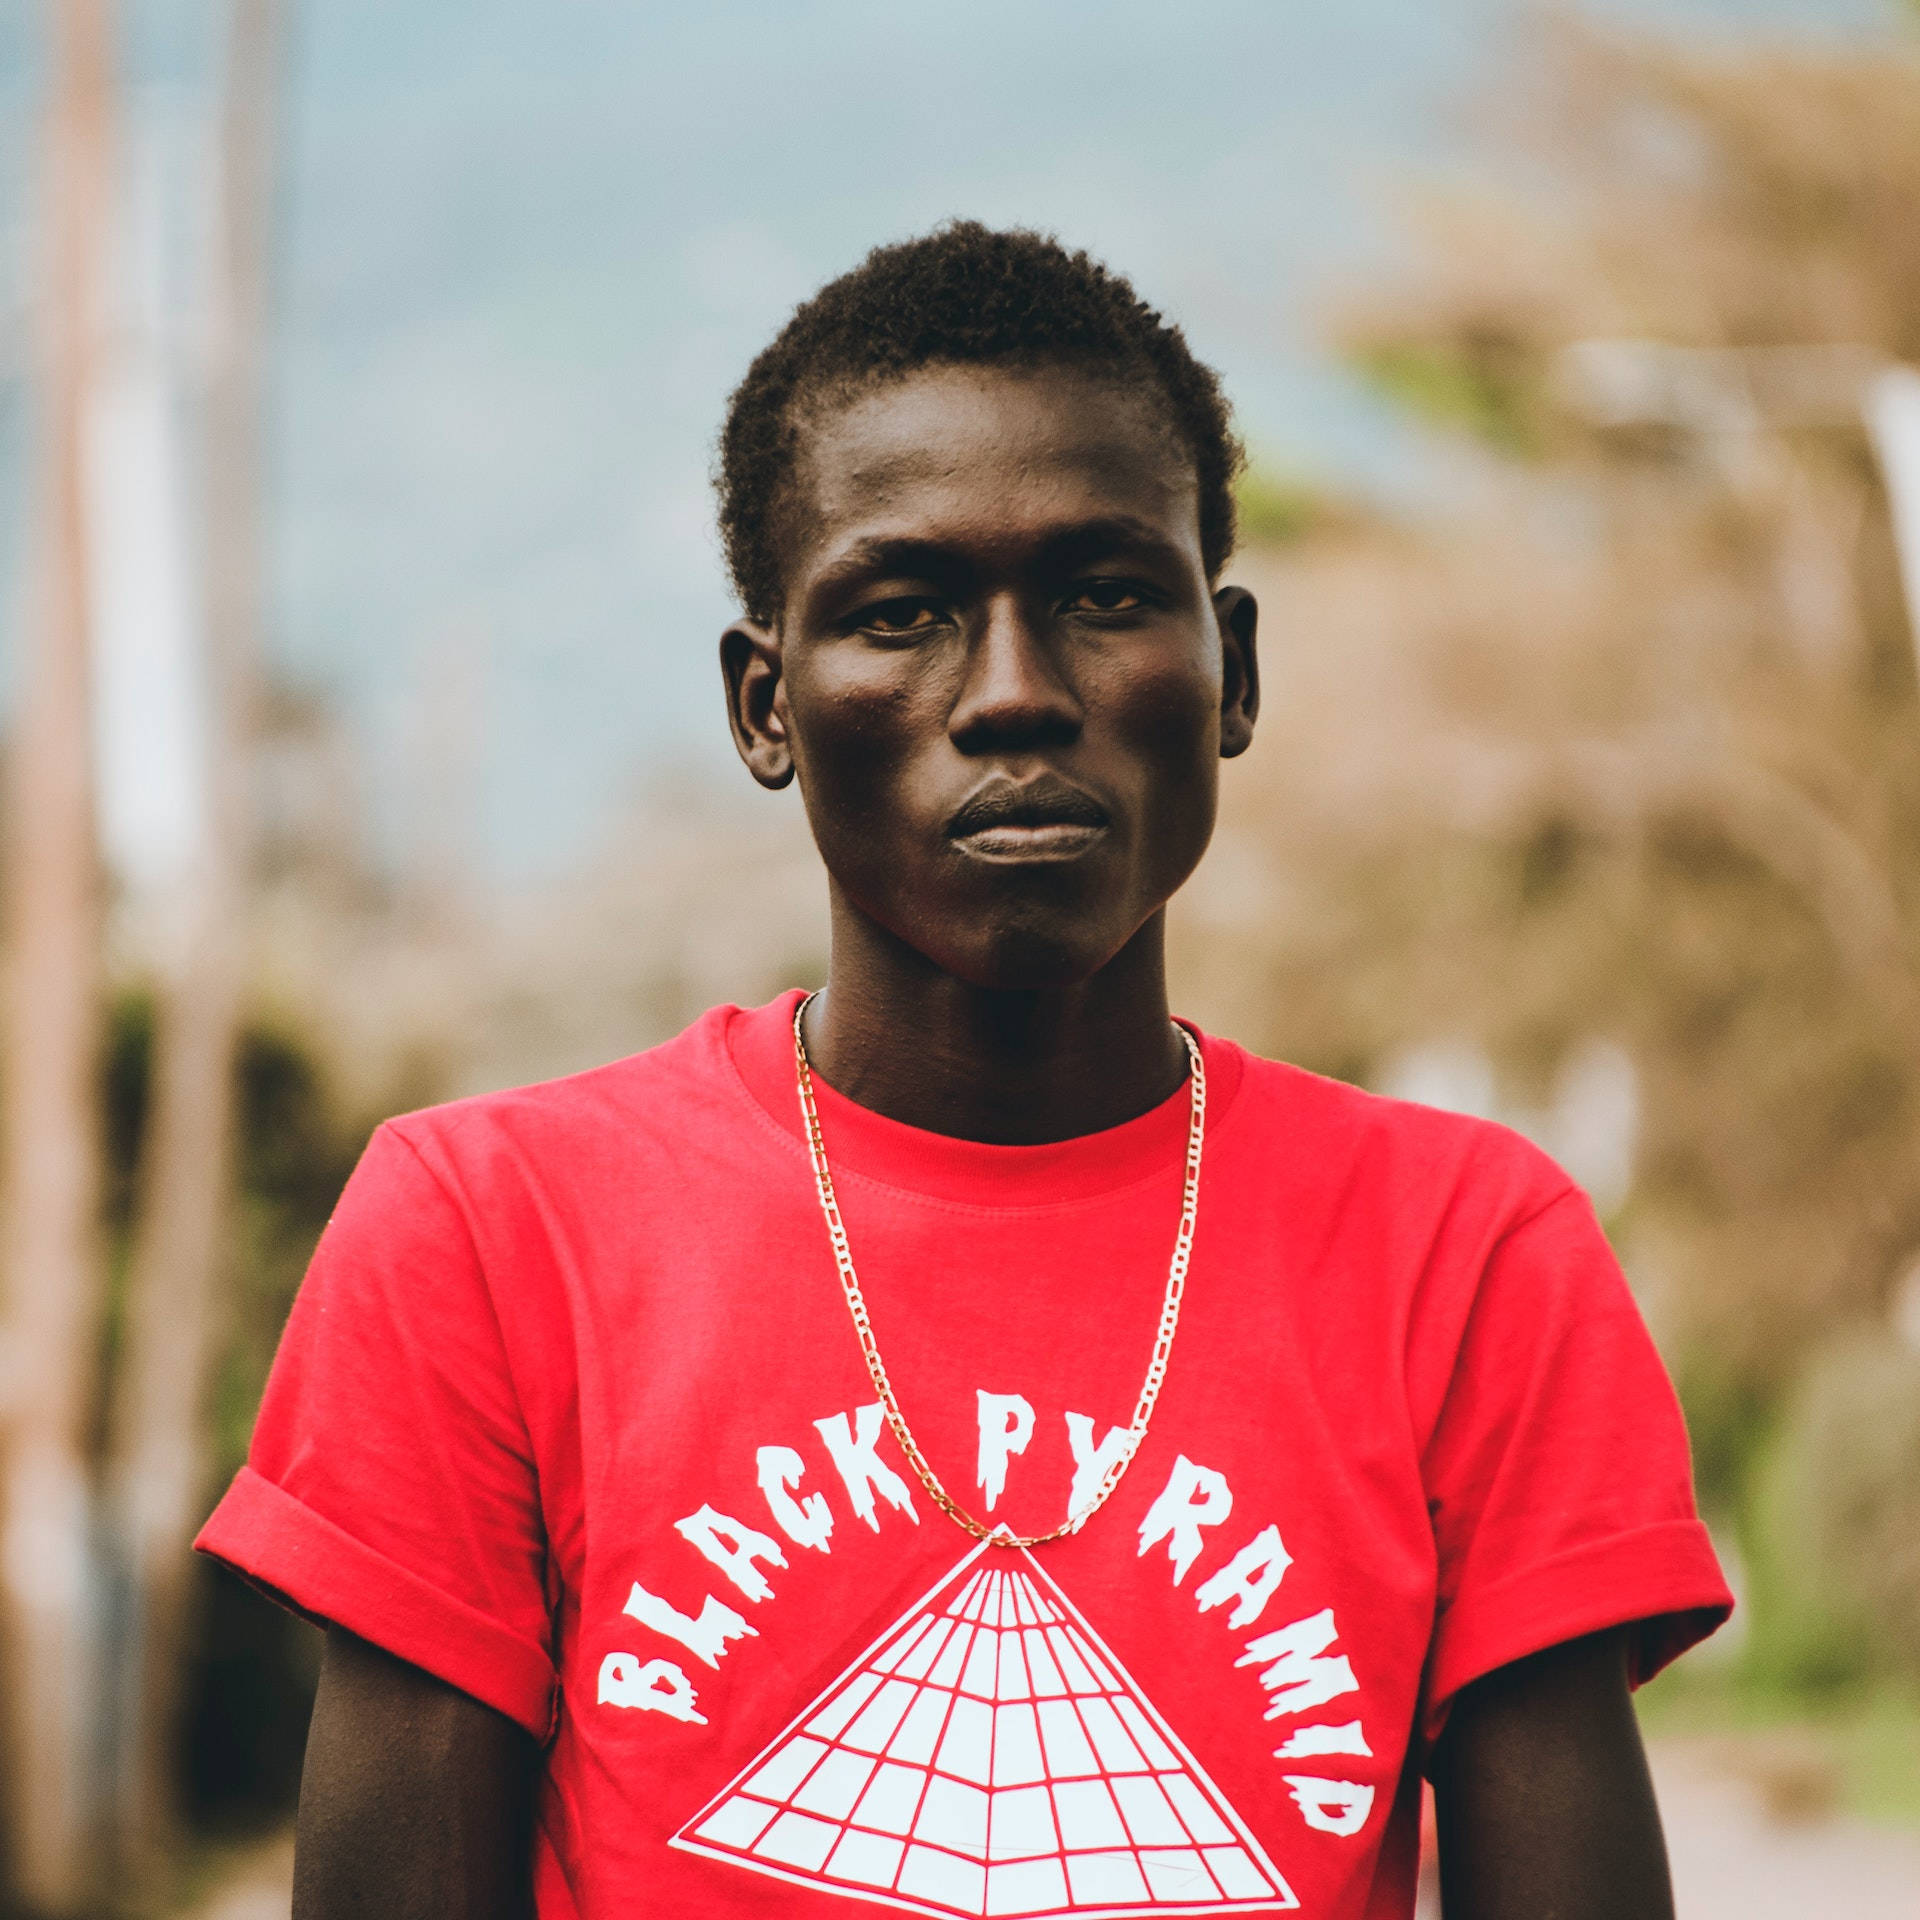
(125, 1081)
(1728, 1420)
(292, 1157)
(1274, 510)
(1834, 1527)
(1478, 385)
(124, 1085)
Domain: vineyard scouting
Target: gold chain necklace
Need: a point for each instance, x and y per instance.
(876, 1368)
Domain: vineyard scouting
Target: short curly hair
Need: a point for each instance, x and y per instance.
(963, 294)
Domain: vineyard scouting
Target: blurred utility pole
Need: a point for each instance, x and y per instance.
(1893, 420)
(49, 1158)
(182, 1247)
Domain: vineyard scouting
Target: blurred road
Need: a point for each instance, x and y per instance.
(1732, 1858)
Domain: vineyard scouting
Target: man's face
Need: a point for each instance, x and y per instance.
(999, 675)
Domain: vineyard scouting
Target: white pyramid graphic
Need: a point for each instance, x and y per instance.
(988, 1755)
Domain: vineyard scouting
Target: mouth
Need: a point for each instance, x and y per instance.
(1045, 818)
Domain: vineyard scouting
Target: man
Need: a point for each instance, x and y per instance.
(964, 1443)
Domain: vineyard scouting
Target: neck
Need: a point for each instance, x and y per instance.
(1016, 1067)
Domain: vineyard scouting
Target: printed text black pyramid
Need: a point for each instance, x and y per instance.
(988, 1755)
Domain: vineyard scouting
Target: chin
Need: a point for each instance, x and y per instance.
(1027, 959)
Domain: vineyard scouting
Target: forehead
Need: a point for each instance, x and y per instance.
(971, 455)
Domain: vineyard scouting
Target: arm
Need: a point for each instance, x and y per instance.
(416, 1801)
(1545, 1807)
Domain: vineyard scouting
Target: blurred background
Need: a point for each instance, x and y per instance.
(363, 747)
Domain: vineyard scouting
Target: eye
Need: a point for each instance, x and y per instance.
(897, 619)
(1106, 596)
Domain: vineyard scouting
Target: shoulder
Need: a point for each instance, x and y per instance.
(1426, 1162)
(568, 1127)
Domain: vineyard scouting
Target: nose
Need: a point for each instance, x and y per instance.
(1015, 693)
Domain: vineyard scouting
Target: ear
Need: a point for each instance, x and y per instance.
(1237, 616)
(750, 663)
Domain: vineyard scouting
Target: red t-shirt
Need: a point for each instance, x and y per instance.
(570, 1412)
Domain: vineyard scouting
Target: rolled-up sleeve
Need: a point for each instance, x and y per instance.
(390, 1488)
(1558, 1474)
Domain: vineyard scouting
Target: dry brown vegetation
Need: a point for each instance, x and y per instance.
(1631, 746)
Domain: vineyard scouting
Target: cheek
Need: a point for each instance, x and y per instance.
(1170, 720)
(853, 750)
(1169, 729)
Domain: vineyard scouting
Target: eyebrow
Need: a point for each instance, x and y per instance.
(1086, 538)
(882, 556)
(1067, 546)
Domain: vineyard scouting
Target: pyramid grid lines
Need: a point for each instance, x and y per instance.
(989, 1756)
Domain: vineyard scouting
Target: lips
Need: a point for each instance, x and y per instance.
(1025, 818)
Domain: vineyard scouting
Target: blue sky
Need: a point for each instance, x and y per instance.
(526, 251)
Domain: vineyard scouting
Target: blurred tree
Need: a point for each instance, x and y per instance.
(50, 1172)
(1639, 752)
(1841, 1488)
(243, 1668)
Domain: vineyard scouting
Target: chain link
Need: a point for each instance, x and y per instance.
(870, 1349)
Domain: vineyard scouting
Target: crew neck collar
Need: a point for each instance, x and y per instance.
(866, 1145)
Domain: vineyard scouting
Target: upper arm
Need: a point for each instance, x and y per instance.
(416, 1801)
(1545, 1806)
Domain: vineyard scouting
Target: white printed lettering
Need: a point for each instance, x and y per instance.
(1090, 1463)
(659, 1687)
(1006, 1425)
(807, 1522)
(1249, 1579)
(1308, 1741)
(733, 1548)
(1334, 1806)
(705, 1638)
(863, 1471)
(1299, 1678)
(1194, 1497)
